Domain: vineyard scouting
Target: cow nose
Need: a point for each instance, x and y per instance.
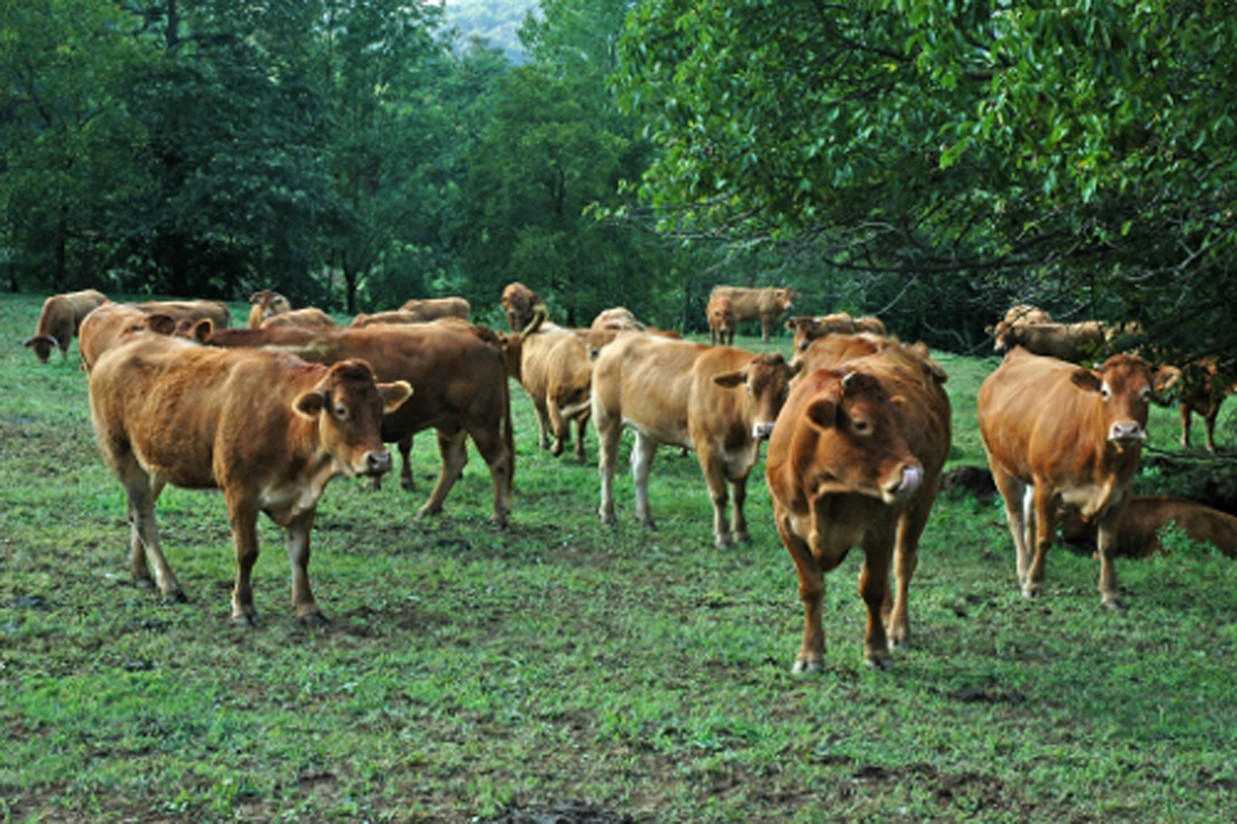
(760, 431)
(377, 463)
(1126, 431)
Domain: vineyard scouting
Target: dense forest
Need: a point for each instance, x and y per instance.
(925, 161)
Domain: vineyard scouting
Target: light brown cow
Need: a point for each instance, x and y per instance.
(855, 460)
(1140, 533)
(767, 304)
(554, 367)
(429, 309)
(1058, 434)
(267, 429)
(720, 314)
(518, 304)
(59, 321)
(461, 390)
(1074, 342)
(807, 329)
(718, 400)
(216, 311)
(309, 317)
(266, 303)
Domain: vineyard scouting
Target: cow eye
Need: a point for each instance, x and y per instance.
(341, 411)
(862, 427)
(1105, 393)
(1145, 395)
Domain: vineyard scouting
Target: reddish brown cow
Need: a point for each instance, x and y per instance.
(59, 321)
(855, 460)
(266, 304)
(718, 400)
(807, 329)
(428, 309)
(216, 311)
(461, 383)
(720, 314)
(1140, 533)
(766, 305)
(1058, 434)
(267, 429)
(309, 317)
(518, 304)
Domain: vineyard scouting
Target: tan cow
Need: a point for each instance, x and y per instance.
(266, 303)
(1074, 342)
(216, 311)
(59, 321)
(518, 304)
(554, 367)
(718, 400)
(807, 329)
(1058, 434)
(267, 429)
(461, 383)
(429, 309)
(855, 460)
(112, 323)
(720, 314)
(767, 304)
(309, 317)
(1140, 533)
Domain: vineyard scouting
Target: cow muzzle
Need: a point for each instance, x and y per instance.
(907, 483)
(760, 431)
(1126, 432)
(377, 463)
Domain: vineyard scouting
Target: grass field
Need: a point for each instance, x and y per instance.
(470, 673)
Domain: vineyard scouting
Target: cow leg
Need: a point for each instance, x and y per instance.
(1106, 543)
(608, 433)
(454, 457)
(1209, 421)
(581, 428)
(558, 428)
(244, 521)
(906, 559)
(543, 422)
(1012, 491)
(738, 520)
(811, 657)
(405, 470)
(144, 545)
(498, 458)
(642, 452)
(874, 588)
(1185, 424)
(1041, 533)
(297, 543)
(714, 470)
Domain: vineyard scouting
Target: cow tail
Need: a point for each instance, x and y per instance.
(508, 438)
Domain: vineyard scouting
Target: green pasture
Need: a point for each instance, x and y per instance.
(469, 673)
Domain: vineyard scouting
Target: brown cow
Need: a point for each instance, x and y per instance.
(1060, 434)
(553, 366)
(59, 321)
(1204, 386)
(766, 305)
(807, 329)
(518, 304)
(429, 309)
(1147, 515)
(266, 304)
(855, 460)
(267, 429)
(720, 314)
(1074, 342)
(216, 311)
(461, 383)
(309, 317)
(719, 400)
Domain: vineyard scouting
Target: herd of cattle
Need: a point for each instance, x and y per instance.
(858, 425)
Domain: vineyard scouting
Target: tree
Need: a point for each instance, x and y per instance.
(1078, 152)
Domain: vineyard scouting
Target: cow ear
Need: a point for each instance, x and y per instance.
(730, 380)
(161, 324)
(394, 394)
(310, 404)
(1086, 379)
(822, 412)
(203, 330)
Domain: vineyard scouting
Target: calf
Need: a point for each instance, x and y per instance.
(855, 460)
(59, 321)
(766, 304)
(266, 304)
(720, 314)
(718, 400)
(1204, 386)
(1059, 434)
(1148, 515)
(267, 429)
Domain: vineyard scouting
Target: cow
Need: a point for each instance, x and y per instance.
(265, 428)
(718, 400)
(461, 383)
(1203, 387)
(720, 315)
(59, 321)
(309, 317)
(554, 367)
(428, 309)
(1060, 434)
(518, 304)
(855, 460)
(766, 305)
(807, 328)
(1147, 515)
(265, 304)
(216, 311)
(1074, 342)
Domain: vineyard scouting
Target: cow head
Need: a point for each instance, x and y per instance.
(859, 445)
(767, 381)
(518, 304)
(348, 405)
(1124, 385)
(42, 346)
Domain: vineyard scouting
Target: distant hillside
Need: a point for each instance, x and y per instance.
(495, 20)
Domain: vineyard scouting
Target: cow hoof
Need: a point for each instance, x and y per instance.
(144, 583)
(247, 619)
(176, 596)
(498, 521)
(649, 524)
(808, 667)
(880, 662)
(1031, 592)
(428, 511)
(1115, 604)
(314, 619)
(407, 485)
